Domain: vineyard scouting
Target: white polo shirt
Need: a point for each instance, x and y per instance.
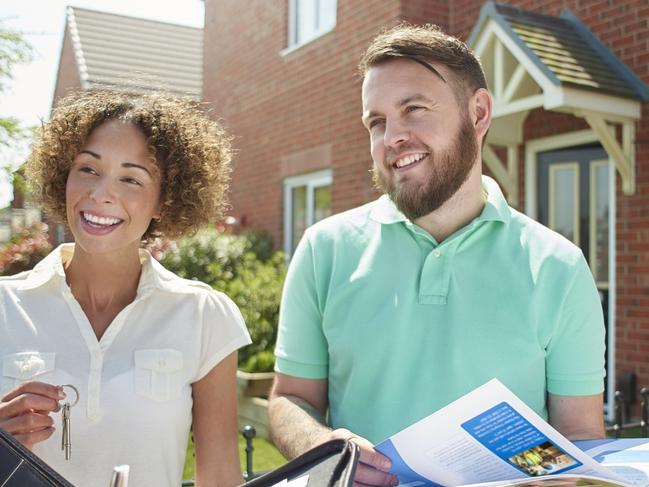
(135, 383)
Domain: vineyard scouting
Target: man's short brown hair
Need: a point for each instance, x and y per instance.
(191, 151)
(426, 45)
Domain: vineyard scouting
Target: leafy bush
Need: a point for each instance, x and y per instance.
(244, 267)
(24, 250)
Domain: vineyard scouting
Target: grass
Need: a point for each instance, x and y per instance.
(264, 457)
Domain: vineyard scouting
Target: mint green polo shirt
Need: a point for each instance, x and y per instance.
(401, 325)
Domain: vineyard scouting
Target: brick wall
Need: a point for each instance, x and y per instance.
(300, 111)
(67, 78)
(280, 105)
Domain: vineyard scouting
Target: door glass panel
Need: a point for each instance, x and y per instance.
(322, 202)
(299, 223)
(564, 200)
(599, 226)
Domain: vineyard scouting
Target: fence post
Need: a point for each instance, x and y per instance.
(249, 433)
(617, 427)
(644, 393)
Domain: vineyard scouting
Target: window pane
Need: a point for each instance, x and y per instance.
(326, 15)
(299, 214)
(564, 209)
(322, 203)
(305, 27)
(600, 252)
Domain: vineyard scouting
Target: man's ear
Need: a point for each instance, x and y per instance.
(480, 107)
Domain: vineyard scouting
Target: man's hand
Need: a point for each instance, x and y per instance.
(296, 414)
(373, 467)
(25, 411)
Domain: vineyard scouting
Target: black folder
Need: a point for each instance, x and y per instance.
(19, 467)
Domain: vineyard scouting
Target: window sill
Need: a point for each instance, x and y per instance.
(295, 47)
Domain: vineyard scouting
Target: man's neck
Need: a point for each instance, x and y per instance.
(459, 210)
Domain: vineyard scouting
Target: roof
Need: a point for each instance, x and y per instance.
(566, 51)
(136, 54)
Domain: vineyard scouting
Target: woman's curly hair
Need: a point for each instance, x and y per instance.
(192, 152)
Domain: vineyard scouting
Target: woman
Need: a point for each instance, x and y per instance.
(150, 353)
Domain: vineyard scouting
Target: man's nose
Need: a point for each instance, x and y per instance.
(395, 134)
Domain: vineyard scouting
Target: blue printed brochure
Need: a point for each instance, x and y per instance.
(489, 437)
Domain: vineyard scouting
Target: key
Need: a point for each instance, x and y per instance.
(65, 437)
(66, 443)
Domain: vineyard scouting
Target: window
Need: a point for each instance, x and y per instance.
(309, 19)
(307, 200)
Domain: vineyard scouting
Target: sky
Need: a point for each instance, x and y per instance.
(42, 22)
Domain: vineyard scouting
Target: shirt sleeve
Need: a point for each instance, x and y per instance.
(223, 331)
(575, 354)
(301, 348)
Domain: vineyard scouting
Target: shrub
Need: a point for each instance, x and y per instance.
(24, 250)
(244, 267)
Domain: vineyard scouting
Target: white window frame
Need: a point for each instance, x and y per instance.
(311, 181)
(292, 27)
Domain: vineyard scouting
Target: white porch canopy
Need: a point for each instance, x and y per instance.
(533, 61)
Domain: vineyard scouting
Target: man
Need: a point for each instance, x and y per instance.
(392, 310)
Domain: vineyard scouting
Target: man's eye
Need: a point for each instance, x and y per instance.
(413, 108)
(375, 123)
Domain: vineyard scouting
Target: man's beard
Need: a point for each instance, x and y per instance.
(446, 172)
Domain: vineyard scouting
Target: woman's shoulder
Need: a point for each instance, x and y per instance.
(169, 281)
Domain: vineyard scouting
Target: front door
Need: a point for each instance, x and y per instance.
(574, 201)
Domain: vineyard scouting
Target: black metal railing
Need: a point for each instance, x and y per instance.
(622, 422)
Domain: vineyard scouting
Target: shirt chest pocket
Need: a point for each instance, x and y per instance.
(24, 366)
(158, 374)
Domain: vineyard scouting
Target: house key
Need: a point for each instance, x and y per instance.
(65, 416)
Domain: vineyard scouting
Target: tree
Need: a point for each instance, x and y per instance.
(14, 49)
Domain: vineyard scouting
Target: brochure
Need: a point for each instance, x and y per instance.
(489, 437)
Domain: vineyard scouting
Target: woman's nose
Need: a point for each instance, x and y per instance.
(102, 191)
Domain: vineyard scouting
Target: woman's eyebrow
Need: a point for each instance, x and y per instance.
(137, 166)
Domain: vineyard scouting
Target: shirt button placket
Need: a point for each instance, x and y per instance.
(94, 384)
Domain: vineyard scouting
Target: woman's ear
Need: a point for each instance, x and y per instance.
(480, 108)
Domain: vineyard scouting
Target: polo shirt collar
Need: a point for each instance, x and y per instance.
(496, 208)
(153, 276)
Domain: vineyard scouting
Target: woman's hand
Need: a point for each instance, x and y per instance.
(25, 411)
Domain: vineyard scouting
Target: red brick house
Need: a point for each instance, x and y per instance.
(569, 144)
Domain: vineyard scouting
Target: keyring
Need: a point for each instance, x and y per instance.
(76, 391)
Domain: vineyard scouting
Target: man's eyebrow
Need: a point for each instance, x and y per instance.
(417, 97)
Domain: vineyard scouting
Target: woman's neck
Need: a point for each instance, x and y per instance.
(103, 284)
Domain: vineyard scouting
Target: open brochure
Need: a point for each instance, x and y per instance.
(489, 437)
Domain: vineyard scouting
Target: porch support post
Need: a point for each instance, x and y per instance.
(623, 155)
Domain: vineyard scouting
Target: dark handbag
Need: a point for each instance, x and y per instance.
(19, 467)
(331, 464)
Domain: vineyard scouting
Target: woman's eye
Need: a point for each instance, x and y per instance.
(131, 181)
(87, 169)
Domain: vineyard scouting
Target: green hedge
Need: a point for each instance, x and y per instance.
(244, 267)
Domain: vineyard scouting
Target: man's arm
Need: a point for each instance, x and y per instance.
(296, 413)
(577, 417)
